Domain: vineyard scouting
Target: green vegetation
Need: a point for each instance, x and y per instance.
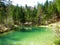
(18, 15)
(57, 41)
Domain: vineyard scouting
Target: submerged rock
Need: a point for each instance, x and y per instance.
(26, 29)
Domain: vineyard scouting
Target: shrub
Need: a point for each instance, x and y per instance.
(57, 42)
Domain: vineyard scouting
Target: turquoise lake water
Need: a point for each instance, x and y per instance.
(37, 36)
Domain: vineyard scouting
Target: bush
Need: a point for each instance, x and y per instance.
(57, 42)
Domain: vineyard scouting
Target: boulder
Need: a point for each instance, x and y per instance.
(3, 28)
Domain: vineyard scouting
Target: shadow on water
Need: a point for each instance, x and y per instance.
(19, 35)
(33, 29)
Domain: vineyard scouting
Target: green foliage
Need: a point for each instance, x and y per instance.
(57, 42)
(58, 4)
(37, 15)
(2, 12)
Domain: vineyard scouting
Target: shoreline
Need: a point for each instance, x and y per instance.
(51, 25)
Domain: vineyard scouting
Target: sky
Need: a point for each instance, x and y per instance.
(28, 2)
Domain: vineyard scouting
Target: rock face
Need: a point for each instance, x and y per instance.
(56, 28)
(3, 28)
(28, 23)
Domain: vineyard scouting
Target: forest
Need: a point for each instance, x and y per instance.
(42, 14)
(11, 16)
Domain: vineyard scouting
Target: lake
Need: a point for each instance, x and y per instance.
(37, 36)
